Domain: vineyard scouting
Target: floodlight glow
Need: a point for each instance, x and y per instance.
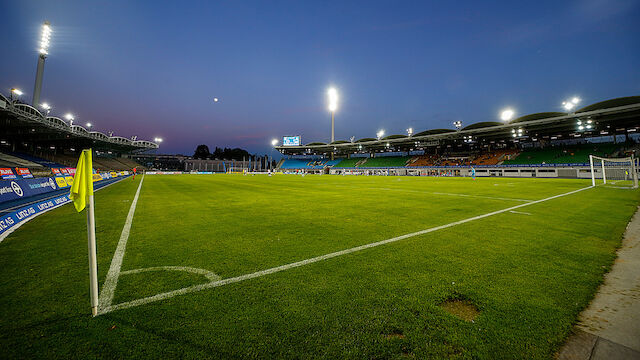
(16, 91)
(45, 106)
(333, 99)
(89, 125)
(579, 122)
(45, 38)
(69, 116)
(457, 124)
(215, 99)
(274, 142)
(580, 127)
(410, 131)
(588, 126)
(575, 100)
(507, 114)
(380, 134)
(568, 105)
(158, 140)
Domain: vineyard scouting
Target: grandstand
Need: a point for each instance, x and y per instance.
(40, 143)
(536, 140)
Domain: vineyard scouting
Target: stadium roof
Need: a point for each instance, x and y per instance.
(25, 124)
(604, 118)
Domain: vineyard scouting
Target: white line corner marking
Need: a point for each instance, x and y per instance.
(106, 307)
(109, 287)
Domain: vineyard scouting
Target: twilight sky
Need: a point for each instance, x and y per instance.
(152, 68)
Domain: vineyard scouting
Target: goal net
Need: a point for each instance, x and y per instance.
(237, 170)
(619, 172)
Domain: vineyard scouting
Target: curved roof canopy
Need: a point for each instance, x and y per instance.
(537, 116)
(365, 140)
(483, 124)
(434, 131)
(394, 137)
(629, 100)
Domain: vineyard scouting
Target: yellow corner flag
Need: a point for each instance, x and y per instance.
(83, 181)
(81, 193)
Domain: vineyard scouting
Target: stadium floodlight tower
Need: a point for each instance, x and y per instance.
(458, 125)
(410, 132)
(380, 134)
(46, 107)
(44, 51)
(507, 114)
(15, 92)
(70, 117)
(333, 106)
(570, 104)
(274, 143)
(158, 140)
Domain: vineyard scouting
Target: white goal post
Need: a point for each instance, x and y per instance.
(237, 170)
(616, 172)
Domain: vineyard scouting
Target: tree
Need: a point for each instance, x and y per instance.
(202, 152)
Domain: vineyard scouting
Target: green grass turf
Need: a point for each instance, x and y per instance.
(528, 275)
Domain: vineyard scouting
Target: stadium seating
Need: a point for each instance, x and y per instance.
(289, 164)
(349, 163)
(387, 161)
(576, 154)
(493, 157)
(14, 161)
(37, 160)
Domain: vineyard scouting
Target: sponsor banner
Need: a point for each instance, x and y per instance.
(20, 188)
(13, 218)
(113, 174)
(24, 173)
(71, 171)
(61, 182)
(69, 180)
(163, 173)
(64, 171)
(105, 176)
(55, 171)
(121, 173)
(125, 173)
(7, 173)
(96, 177)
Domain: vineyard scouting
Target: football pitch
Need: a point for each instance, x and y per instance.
(232, 266)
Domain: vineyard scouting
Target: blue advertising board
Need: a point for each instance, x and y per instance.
(21, 188)
(11, 219)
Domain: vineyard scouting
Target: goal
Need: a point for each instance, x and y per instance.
(618, 172)
(237, 170)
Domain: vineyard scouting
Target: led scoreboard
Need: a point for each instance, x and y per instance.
(291, 141)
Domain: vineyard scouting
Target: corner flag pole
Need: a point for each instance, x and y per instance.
(81, 194)
(91, 233)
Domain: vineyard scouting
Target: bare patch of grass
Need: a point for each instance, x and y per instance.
(461, 308)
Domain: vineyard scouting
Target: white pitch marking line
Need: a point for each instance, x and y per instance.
(109, 287)
(483, 197)
(519, 212)
(213, 284)
(455, 194)
(206, 273)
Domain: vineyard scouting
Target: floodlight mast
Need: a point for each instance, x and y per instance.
(333, 106)
(44, 51)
